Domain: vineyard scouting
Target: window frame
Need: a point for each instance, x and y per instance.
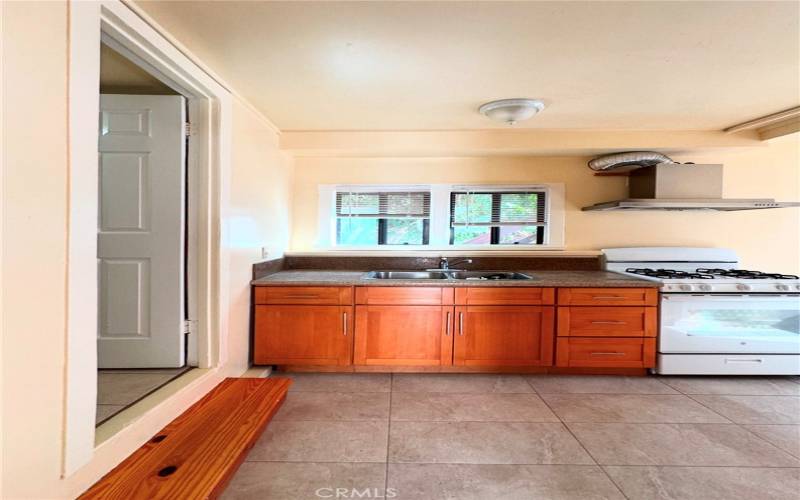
(494, 230)
(439, 229)
(383, 224)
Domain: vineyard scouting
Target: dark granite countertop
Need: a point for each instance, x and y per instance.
(540, 279)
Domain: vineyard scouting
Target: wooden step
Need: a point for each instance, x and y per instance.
(196, 454)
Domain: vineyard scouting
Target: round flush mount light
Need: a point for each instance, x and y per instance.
(511, 111)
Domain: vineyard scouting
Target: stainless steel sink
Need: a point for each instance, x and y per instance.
(406, 275)
(488, 275)
(440, 275)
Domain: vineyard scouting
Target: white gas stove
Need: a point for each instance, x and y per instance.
(716, 318)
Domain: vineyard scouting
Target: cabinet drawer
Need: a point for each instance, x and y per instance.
(511, 296)
(304, 295)
(607, 296)
(403, 295)
(607, 321)
(606, 352)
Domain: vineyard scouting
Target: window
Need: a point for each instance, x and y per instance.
(441, 216)
(382, 218)
(497, 217)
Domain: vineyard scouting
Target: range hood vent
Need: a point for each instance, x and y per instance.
(682, 187)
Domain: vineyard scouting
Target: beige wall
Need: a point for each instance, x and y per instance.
(259, 215)
(767, 239)
(34, 243)
(34, 249)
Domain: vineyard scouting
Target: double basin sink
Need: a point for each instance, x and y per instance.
(446, 274)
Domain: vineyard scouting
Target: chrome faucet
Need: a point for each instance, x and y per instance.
(444, 263)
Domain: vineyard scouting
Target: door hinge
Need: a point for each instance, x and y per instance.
(187, 129)
(189, 326)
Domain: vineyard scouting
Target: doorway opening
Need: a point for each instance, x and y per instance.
(145, 304)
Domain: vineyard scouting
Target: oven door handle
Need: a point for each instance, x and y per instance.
(730, 298)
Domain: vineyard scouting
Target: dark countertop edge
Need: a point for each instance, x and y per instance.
(549, 281)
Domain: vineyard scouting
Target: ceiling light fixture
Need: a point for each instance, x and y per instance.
(511, 111)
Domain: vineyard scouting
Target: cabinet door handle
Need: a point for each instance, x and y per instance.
(447, 326)
(344, 322)
(461, 323)
(607, 354)
(609, 322)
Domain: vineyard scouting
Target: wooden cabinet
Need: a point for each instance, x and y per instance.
(608, 352)
(503, 336)
(303, 326)
(504, 296)
(477, 328)
(607, 297)
(607, 327)
(303, 335)
(607, 321)
(409, 326)
(403, 335)
(341, 295)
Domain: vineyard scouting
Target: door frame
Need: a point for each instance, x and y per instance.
(210, 109)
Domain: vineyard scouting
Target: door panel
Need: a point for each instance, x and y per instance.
(403, 335)
(140, 243)
(302, 335)
(503, 336)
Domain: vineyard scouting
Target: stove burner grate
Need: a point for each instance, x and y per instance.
(669, 273)
(746, 274)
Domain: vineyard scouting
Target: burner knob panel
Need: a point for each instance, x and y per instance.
(783, 288)
(743, 288)
(686, 288)
(705, 288)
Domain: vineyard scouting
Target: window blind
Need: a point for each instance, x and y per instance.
(498, 208)
(384, 204)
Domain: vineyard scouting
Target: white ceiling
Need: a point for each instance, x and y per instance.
(429, 65)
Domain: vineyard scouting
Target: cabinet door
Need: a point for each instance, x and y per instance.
(503, 336)
(302, 335)
(403, 335)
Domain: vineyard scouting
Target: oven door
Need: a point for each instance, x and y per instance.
(763, 324)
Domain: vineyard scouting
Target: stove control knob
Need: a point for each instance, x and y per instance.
(686, 288)
(797, 287)
(783, 288)
(743, 288)
(705, 288)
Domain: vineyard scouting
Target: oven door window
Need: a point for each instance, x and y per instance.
(747, 323)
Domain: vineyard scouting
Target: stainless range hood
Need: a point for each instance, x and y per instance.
(682, 187)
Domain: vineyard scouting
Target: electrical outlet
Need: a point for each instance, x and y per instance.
(264, 252)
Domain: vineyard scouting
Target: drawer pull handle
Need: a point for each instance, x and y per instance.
(609, 322)
(754, 360)
(301, 296)
(607, 354)
(608, 297)
(447, 326)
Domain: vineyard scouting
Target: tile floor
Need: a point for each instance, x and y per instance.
(118, 389)
(483, 437)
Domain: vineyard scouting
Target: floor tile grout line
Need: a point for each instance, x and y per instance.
(388, 436)
(580, 443)
(534, 464)
(792, 454)
(710, 409)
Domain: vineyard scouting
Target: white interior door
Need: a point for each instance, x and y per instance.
(141, 231)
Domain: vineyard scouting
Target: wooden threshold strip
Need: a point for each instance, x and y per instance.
(196, 454)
